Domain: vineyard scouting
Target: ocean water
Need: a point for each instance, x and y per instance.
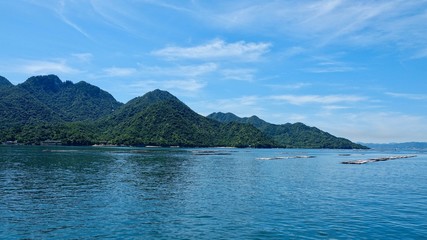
(160, 193)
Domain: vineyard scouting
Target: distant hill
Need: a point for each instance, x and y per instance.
(297, 135)
(398, 146)
(159, 118)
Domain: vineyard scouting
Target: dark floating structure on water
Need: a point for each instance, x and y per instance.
(286, 157)
(377, 159)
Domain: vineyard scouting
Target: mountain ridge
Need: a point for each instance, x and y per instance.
(45, 107)
(5, 82)
(291, 135)
(159, 118)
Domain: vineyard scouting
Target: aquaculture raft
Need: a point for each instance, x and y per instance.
(377, 159)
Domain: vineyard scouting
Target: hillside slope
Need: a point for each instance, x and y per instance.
(159, 118)
(296, 135)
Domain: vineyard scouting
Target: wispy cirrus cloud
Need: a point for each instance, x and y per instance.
(317, 99)
(410, 96)
(36, 67)
(239, 74)
(119, 71)
(330, 64)
(65, 10)
(217, 49)
(361, 23)
(290, 86)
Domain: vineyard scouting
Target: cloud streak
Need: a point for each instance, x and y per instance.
(317, 99)
(217, 49)
(37, 67)
(330, 22)
(119, 71)
(410, 96)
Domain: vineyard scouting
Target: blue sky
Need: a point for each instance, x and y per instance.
(356, 69)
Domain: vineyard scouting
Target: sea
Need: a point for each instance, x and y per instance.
(53, 192)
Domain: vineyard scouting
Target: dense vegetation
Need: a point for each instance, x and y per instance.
(46, 99)
(297, 135)
(45, 108)
(73, 102)
(159, 118)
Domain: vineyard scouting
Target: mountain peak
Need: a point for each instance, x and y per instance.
(5, 82)
(49, 83)
(153, 97)
(160, 95)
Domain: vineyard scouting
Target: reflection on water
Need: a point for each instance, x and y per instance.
(85, 192)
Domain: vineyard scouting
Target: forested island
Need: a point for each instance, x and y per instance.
(44, 109)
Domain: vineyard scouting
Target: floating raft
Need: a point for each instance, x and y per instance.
(377, 159)
(287, 157)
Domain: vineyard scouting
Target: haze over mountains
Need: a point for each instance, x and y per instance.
(45, 108)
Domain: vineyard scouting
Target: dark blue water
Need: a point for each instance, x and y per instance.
(141, 193)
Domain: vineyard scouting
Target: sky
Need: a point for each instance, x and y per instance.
(356, 69)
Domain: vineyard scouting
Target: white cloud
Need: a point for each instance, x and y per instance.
(330, 64)
(410, 96)
(119, 72)
(334, 107)
(63, 9)
(292, 86)
(35, 67)
(239, 74)
(345, 22)
(217, 49)
(317, 99)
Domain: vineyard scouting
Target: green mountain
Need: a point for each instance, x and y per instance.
(46, 99)
(18, 107)
(44, 107)
(72, 102)
(4, 82)
(297, 135)
(159, 118)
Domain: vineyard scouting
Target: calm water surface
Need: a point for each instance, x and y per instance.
(142, 193)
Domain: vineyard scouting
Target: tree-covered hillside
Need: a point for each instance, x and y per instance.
(297, 135)
(18, 107)
(46, 99)
(159, 118)
(73, 102)
(4, 82)
(46, 108)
